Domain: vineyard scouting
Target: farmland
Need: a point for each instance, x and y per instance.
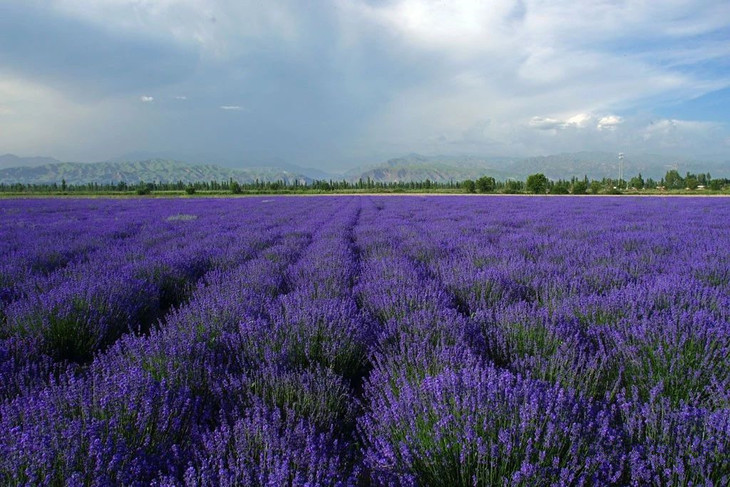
(365, 340)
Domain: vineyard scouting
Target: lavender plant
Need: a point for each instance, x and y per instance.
(263, 448)
(470, 424)
(111, 428)
(364, 341)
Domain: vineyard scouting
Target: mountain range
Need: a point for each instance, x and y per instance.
(594, 165)
(11, 160)
(412, 167)
(133, 172)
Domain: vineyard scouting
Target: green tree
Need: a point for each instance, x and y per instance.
(144, 188)
(691, 182)
(637, 182)
(596, 186)
(560, 187)
(716, 184)
(672, 180)
(469, 186)
(485, 184)
(580, 187)
(536, 183)
(512, 186)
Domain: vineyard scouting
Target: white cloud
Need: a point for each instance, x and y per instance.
(542, 123)
(609, 122)
(580, 120)
(422, 75)
(467, 26)
(567, 62)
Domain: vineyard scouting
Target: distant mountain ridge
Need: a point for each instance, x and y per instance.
(157, 170)
(411, 167)
(598, 165)
(594, 165)
(229, 162)
(11, 160)
(442, 169)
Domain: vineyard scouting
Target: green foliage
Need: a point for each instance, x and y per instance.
(318, 394)
(637, 182)
(144, 188)
(716, 184)
(561, 187)
(580, 187)
(673, 180)
(469, 186)
(190, 189)
(485, 184)
(686, 367)
(537, 183)
(595, 187)
(512, 187)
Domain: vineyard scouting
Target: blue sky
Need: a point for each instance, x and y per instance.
(335, 83)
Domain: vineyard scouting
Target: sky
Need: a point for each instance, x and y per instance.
(333, 83)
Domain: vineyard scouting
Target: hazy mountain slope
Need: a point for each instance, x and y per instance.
(416, 167)
(595, 165)
(229, 162)
(412, 167)
(11, 160)
(133, 172)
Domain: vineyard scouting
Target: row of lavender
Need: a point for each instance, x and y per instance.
(573, 343)
(383, 341)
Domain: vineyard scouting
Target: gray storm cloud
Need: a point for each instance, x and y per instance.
(337, 83)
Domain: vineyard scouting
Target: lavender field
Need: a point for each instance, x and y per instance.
(414, 341)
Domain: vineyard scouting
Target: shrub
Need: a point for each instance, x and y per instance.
(470, 425)
(675, 446)
(318, 395)
(84, 315)
(108, 429)
(265, 447)
(331, 333)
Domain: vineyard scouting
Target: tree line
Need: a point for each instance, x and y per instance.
(535, 184)
(539, 184)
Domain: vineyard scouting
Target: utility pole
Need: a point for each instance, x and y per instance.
(620, 168)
